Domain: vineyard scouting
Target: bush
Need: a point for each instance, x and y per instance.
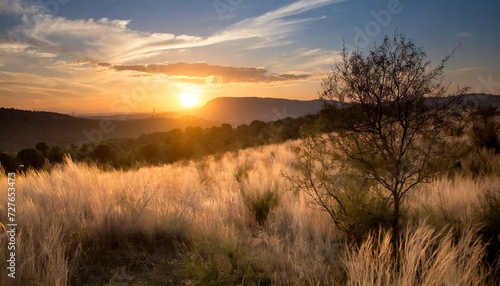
(152, 152)
(8, 163)
(211, 263)
(55, 154)
(260, 205)
(485, 129)
(365, 212)
(480, 162)
(103, 153)
(42, 147)
(31, 157)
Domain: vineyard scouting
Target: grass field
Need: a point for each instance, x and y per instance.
(232, 219)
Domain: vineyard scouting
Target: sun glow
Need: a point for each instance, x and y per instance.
(189, 99)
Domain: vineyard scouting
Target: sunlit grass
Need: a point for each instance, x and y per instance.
(231, 219)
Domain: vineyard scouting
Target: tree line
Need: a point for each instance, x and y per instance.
(196, 142)
(160, 147)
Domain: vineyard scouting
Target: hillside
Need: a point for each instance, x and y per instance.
(243, 110)
(195, 222)
(481, 100)
(237, 110)
(22, 128)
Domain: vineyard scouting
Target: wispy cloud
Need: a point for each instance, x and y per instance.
(467, 69)
(112, 40)
(306, 60)
(18, 7)
(96, 40)
(275, 24)
(21, 48)
(464, 34)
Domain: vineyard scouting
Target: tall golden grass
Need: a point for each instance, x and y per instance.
(426, 257)
(192, 223)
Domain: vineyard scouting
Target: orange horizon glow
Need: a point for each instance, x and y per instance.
(189, 99)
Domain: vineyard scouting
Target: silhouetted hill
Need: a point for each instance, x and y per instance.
(238, 110)
(234, 110)
(481, 100)
(118, 117)
(21, 129)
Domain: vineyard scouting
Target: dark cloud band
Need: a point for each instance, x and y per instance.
(219, 74)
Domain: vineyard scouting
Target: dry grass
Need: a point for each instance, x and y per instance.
(451, 201)
(189, 223)
(426, 258)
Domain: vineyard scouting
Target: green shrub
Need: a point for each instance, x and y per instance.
(260, 204)
(364, 210)
(213, 263)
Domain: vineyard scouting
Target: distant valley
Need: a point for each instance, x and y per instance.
(21, 129)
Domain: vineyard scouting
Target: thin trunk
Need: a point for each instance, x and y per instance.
(395, 232)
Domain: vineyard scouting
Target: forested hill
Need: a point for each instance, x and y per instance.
(21, 128)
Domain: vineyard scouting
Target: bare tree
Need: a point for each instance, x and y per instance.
(385, 114)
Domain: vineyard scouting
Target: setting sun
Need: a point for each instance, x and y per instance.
(189, 99)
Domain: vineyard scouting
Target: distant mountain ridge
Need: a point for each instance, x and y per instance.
(234, 110)
(239, 110)
(481, 100)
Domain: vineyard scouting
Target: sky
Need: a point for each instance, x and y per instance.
(123, 56)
